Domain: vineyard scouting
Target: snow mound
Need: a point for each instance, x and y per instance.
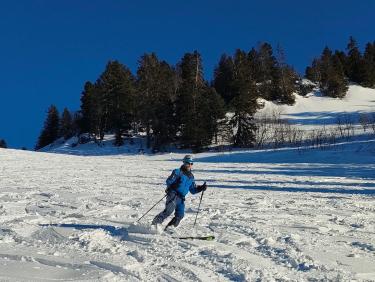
(144, 229)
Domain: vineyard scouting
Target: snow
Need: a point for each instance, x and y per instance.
(317, 110)
(277, 215)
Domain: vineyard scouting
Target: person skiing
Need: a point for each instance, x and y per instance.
(179, 183)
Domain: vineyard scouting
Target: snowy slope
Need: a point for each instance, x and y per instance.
(317, 110)
(283, 215)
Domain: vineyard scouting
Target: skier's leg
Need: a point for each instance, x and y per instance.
(179, 212)
(170, 206)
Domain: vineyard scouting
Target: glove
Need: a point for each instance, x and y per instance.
(203, 187)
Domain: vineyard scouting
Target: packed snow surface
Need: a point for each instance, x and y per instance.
(291, 214)
(278, 215)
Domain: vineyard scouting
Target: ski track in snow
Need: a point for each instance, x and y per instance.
(69, 218)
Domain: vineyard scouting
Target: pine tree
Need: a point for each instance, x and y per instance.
(66, 125)
(245, 102)
(116, 86)
(354, 62)
(335, 84)
(156, 88)
(50, 131)
(325, 65)
(284, 81)
(164, 125)
(3, 144)
(193, 110)
(263, 74)
(368, 74)
(313, 73)
(92, 111)
(223, 78)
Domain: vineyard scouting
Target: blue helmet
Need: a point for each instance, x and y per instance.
(188, 159)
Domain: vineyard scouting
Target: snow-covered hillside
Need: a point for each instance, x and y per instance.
(308, 113)
(290, 214)
(283, 215)
(317, 110)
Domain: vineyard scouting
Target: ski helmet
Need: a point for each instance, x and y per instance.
(188, 159)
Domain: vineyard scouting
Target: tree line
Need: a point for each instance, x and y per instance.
(176, 104)
(333, 71)
(3, 144)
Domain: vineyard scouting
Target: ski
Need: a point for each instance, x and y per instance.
(205, 238)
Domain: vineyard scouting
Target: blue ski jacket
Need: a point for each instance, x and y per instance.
(186, 184)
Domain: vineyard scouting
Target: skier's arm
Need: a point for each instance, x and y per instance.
(172, 178)
(194, 189)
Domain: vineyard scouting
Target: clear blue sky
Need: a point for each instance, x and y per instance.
(48, 49)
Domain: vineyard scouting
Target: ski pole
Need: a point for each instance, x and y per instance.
(200, 201)
(152, 207)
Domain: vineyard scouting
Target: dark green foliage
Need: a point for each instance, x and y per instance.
(329, 73)
(116, 90)
(313, 72)
(92, 111)
(156, 87)
(194, 105)
(50, 131)
(353, 62)
(265, 65)
(245, 101)
(223, 77)
(283, 81)
(334, 84)
(66, 125)
(3, 144)
(368, 73)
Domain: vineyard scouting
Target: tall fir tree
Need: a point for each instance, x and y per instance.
(165, 126)
(353, 62)
(263, 74)
(313, 72)
(156, 89)
(335, 84)
(92, 111)
(50, 131)
(66, 125)
(368, 72)
(284, 80)
(223, 78)
(117, 91)
(245, 102)
(3, 144)
(194, 113)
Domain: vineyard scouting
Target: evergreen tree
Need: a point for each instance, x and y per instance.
(156, 90)
(354, 62)
(313, 73)
(66, 125)
(325, 65)
(263, 74)
(245, 102)
(223, 78)
(50, 131)
(335, 85)
(164, 125)
(284, 81)
(194, 112)
(368, 74)
(3, 144)
(116, 86)
(92, 111)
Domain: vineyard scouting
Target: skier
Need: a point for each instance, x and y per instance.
(179, 183)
